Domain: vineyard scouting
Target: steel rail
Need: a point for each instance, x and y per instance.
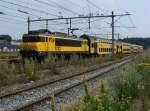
(13, 93)
(6, 95)
(29, 105)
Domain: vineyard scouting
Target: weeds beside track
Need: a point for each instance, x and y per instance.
(60, 91)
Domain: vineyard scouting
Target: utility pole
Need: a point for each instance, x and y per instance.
(113, 33)
(89, 21)
(47, 24)
(28, 24)
(118, 36)
(112, 16)
(70, 25)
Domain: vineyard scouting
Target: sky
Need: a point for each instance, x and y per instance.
(14, 21)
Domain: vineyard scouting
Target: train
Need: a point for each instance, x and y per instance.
(41, 43)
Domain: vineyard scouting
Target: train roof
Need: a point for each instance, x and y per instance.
(49, 33)
(46, 32)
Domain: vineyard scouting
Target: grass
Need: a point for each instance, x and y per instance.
(122, 92)
(30, 68)
(11, 74)
(8, 74)
(2, 54)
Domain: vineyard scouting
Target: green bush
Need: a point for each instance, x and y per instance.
(52, 105)
(130, 84)
(8, 74)
(101, 102)
(74, 60)
(142, 66)
(125, 84)
(120, 95)
(142, 58)
(52, 63)
(30, 68)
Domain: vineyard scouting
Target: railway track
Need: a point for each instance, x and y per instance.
(25, 99)
(10, 59)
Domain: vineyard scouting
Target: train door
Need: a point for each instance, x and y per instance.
(46, 44)
(91, 47)
(117, 49)
(95, 48)
(51, 44)
(121, 50)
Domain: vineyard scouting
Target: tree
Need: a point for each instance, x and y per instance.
(139, 41)
(6, 37)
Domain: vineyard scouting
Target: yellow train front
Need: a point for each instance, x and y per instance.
(40, 45)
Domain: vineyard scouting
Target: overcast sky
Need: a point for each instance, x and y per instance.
(14, 23)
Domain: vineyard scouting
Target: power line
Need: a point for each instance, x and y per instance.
(118, 19)
(64, 8)
(90, 21)
(83, 17)
(131, 21)
(76, 4)
(18, 20)
(46, 3)
(11, 22)
(17, 11)
(22, 18)
(36, 10)
(96, 6)
(11, 9)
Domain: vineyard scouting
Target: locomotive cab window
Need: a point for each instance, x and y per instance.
(34, 39)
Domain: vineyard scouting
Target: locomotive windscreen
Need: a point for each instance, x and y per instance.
(34, 39)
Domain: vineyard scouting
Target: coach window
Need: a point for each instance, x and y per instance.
(92, 45)
(46, 39)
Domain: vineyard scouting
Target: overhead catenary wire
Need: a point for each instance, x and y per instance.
(129, 17)
(12, 19)
(40, 10)
(17, 11)
(7, 20)
(43, 2)
(64, 8)
(94, 5)
(74, 3)
(36, 10)
(46, 3)
(131, 21)
(14, 16)
(11, 9)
